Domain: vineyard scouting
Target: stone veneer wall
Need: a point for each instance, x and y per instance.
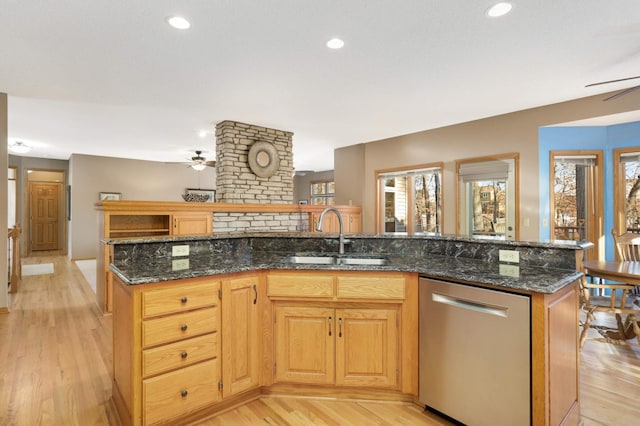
(259, 222)
(235, 182)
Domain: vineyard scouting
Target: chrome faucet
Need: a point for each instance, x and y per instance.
(341, 240)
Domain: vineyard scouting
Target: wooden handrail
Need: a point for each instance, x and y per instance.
(16, 260)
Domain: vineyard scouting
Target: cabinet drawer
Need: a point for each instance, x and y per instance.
(180, 326)
(371, 287)
(180, 354)
(179, 392)
(299, 285)
(179, 298)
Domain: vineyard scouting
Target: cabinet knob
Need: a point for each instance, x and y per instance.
(183, 327)
(184, 393)
(183, 355)
(183, 299)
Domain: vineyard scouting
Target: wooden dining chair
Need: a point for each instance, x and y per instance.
(617, 304)
(627, 249)
(618, 315)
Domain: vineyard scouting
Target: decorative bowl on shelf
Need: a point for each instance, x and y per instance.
(196, 198)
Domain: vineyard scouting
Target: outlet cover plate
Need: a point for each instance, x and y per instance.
(182, 250)
(510, 256)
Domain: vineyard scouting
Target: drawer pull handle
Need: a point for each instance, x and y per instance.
(183, 327)
(255, 290)
(183, 299)
(340, 330)
(184, 393)
(183, 355)
(329, 326)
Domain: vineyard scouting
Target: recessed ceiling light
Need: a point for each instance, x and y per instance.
(335, 43)
(178, 22)
(499, 9)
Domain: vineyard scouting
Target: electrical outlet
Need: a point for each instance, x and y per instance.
(509, 270)
(511, 256)
(180, 251)
(179, 264)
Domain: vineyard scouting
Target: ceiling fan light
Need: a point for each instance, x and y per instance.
(198, 166)
(19, 147)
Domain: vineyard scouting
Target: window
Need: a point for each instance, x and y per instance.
(487, 194)
(323, 193)
(410, 200)
(627, 190)
(576, 200)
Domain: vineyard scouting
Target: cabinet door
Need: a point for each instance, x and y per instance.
(191, 224)
(240, 335)
(304, 344)
(366, 347)
(354, 223)
(330, 222)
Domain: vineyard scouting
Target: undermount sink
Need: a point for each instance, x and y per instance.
(317, 260)
(347, 259)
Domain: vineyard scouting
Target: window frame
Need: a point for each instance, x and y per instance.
(597, 203)
(619, 191)
(327, 195)
(516, 189)
(406, 171)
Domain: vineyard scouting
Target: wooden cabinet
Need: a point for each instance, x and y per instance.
(166, 360)
(125, 219)
(351, 219)
(191, 223)
(346, 347)
(241, 331)
(555, 357)
(350, 336)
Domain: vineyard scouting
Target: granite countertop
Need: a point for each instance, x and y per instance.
(528, 278)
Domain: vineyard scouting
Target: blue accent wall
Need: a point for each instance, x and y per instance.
(604, 138)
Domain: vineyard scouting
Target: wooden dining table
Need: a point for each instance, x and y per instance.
(627, 272)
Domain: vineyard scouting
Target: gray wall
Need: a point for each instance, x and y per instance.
(135, 179)
(514, 132)
(302, 184)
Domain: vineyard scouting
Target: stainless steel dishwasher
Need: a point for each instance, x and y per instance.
(475, 353)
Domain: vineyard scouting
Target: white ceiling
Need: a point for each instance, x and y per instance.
(112, 78)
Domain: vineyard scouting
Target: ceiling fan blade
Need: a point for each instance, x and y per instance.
(624, 92)
(612, 81)
(210, 163)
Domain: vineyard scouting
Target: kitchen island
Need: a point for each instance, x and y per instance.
(239, 316)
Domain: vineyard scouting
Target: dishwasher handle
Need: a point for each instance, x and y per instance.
(458, 302)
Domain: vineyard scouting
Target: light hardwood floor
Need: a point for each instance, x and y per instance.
(55, 365)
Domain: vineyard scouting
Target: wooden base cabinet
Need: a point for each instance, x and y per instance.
(344, 329)
(345, 347)
(166, 350)
(241, 334)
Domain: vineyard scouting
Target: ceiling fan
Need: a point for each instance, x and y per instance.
(198, 162)
(619, 94)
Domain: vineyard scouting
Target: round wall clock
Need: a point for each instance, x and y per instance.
(263, 158)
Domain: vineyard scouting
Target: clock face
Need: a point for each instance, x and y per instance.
(263, 159)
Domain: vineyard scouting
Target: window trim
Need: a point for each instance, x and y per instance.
(405, 171)
(597, 202)
(516, 178)
(327, 195)
(619, 220)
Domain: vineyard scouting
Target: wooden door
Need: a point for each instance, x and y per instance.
(366, 347)
(304, 345)
(330, 222)
(241, 349)
(44, 214)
